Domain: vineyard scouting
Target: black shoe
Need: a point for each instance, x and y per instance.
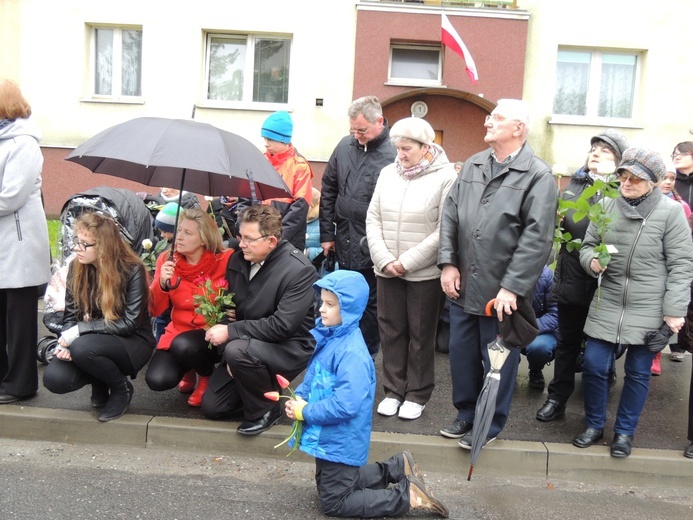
(621, 445)
(612, 380)
(588, 437)
(536, 379)
(118, 403)
(456, 430)
(262, 424)
(99, 394)
(688, 452)
(466, 441)
(7, 398)
(551, 410)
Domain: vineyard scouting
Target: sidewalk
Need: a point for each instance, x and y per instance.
(526, 447)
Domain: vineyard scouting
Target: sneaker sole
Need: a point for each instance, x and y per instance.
(469, 446)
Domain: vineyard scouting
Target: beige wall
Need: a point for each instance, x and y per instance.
(662, 30)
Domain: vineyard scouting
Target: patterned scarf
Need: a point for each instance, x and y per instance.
(429, 157)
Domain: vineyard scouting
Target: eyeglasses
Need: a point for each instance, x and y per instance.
(359, 131)
(623, 177)
(247, 241)
(679, 154)
(494, 118)
(80, 246)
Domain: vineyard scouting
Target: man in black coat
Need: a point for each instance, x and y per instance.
(347, 188)
(268, 334)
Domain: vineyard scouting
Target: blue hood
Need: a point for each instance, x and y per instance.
(352, 290)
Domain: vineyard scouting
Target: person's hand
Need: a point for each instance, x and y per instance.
(327, 246)
(675, 324)
(217, 335)
(62, 352)
(506, 303)
(596, 266)
(395, 268)
(231, 315)
(294, 408)
(168, 269)
(450, 281)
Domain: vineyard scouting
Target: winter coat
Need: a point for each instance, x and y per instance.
(313, 247)
(276, 306)
(295, 171)
(650, 275)
(347, 187)
(180, 300)
(403, 219)
(25, 261)
(339, 384)
(498, 231)
(134, 328)
(545, 307)
(684, 187)
(571, 284)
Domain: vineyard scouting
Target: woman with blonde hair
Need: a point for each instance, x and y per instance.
(182, 354)
(107, 332)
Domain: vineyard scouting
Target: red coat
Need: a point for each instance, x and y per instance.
(183, 315)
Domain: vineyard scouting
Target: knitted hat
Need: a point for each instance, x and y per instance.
(413, 128)
(166, 218)
(278, 127)
(645, 164)
(616, 141)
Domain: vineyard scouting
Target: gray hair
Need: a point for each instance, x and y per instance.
(518, 110)
(368, 106)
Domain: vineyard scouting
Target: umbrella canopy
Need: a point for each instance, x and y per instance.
(174, 153)
(517, 330)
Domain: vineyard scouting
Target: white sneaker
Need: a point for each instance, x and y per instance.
(389, 406)
(411, 410)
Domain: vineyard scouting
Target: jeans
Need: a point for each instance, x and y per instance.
(540, 351)
(595, 381)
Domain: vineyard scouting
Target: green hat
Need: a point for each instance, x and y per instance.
(166, 218)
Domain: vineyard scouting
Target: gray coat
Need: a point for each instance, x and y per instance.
(498, 230)
(25, 261)
(649, 277)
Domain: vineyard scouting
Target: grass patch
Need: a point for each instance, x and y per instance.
(53, 236)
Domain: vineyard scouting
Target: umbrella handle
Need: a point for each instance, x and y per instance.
(489, 306)
(175, 285)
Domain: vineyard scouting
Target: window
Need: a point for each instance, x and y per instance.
(247, 68)
(596, 84)
(415, 65)
(116, 62)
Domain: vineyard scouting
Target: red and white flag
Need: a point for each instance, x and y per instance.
(450, 38)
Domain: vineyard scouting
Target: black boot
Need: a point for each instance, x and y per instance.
(118, 403)
(99, 394)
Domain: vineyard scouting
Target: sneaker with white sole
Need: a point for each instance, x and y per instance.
(677, 356)
(411, 410)
(389, 406)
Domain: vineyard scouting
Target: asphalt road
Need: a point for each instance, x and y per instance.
(59, 481)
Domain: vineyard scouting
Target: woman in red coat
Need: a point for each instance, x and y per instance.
(182, 354)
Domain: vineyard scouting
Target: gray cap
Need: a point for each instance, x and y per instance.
(616, 141)
(645, 164)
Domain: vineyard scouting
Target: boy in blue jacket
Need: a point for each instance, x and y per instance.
(335, 401)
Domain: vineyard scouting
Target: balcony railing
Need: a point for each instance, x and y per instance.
(495, 4)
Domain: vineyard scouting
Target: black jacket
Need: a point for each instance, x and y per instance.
(347, 188)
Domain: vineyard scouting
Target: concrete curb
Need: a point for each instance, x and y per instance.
(665, 468)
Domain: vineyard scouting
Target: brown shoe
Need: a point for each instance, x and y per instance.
(411, 468)
(422, 499)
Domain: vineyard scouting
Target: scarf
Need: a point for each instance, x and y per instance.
(637, 201)
(429, 157)
(203, 268)
(4, 122)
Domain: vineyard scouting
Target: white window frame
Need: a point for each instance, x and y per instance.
(415, 82)
(117, 78)
(248, 73)
(592, 102)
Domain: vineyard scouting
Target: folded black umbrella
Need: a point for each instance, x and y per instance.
(656, 340)
(520, 328)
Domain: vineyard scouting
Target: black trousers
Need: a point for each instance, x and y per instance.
(369, 321)
(690, 408)
(96, 358)
(18, 339)
(373, 490)
(188, 351)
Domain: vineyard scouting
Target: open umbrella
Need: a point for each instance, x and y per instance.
(517, 330)
(193, 156)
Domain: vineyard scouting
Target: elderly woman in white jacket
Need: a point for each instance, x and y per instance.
(402, 228)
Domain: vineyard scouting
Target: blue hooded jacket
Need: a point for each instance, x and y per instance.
(339, 384)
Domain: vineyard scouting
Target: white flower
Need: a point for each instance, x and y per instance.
(611, 249)
(208, 198)
(147, 244)
(606, 167)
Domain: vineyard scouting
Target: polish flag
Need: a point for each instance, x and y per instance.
(450, 38)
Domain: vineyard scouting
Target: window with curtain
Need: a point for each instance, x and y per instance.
(595, 84)
(116, 62)
(415, 65)
(248, 68)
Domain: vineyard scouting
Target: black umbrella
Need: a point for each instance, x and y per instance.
(517, 330)
(193, 156)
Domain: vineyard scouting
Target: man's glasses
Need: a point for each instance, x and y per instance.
(247, 241)
(76, 245)
(360, 131)
(494, 118)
